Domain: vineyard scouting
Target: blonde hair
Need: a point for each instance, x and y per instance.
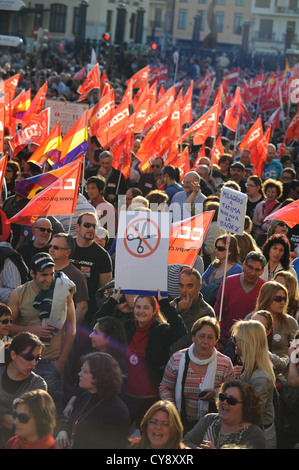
(176, 427)
(251, 336)
(291, 284)
(267, 293)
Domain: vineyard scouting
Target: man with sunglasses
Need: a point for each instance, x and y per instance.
(44, 306)
(189, 202)
(152, 180)
(240, 294)
(41, 234)
(92, 260)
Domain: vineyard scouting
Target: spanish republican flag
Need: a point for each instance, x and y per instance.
(21, 104)
(57, 199)
(30, 186)
(51, 147)
(36, 106)
(91, 81)
(73, 143)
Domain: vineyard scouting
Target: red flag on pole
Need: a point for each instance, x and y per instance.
(36, 105)
(91, 81)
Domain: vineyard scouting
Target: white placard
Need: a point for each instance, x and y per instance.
(11, 5)
(232, 210)
(66, 112)
(142, 252)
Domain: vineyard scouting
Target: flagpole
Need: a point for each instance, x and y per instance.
(228, 236)
(84, 155)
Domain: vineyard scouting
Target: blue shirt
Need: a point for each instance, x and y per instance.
(272, 170)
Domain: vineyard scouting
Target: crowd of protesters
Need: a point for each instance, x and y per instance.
(85, 366)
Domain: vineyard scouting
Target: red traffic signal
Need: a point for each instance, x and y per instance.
(106, 37)
(154, 46)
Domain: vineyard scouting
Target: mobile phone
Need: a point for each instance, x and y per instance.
(202, 394)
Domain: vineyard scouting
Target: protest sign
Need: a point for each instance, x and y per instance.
(232, 210)
(142, 252)
(66, 113)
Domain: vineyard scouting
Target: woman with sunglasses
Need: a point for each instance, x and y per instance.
(5, 322)
(252, 346)
(18, 377)
(291, 283)
(213, 276)
(274, 298)
(277, 253)
(160, 428)
(236, 423)
(34, 415)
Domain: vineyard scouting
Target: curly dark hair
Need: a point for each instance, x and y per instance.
(252, 402)
(105, 372)
(281, 240)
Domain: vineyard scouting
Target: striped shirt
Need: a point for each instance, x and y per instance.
(193, 383)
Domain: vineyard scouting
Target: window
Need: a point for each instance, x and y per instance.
(182, 20)
(202, 15)
(262, 3)
(220, 21)
(38, 14)
(76, 20)
(221, 2)
(203, 2)
(240, 3)
(238, 23)
(57, 18)
(293, 5)
(266, 29)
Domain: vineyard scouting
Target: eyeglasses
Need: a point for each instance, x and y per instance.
(155, 422)
(230, 400)
(251, 268)
(156, 166)
(279, 298)
(22, 417)
(88, 225)
(6, 320)
(55, 247)
(30, 357)
(43, 229)
(220, 248)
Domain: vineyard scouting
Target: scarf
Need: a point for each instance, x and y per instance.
(208, 383)
(46, 442)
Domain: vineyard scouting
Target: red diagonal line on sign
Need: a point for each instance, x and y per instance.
(142, 238)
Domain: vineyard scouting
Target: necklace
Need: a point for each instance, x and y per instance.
(82, 415)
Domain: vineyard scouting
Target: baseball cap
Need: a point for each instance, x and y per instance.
(40, 261)
(238, 165)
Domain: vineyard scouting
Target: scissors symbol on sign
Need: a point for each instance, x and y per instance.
(141, 237)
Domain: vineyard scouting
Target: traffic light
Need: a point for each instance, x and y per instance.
(154, 46)
(106, 37)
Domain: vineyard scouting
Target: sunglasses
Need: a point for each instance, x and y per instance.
(220, 248)
(22, 417)
(156, 166)
(43, 229)
(279, 298)
(230, 400)
(88, 225)
(55, 247)
(6, 320)
(30, 357)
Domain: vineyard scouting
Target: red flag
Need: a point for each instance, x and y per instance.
(80, 74)
(259, 153)
(232, 76)
(253, 136)
(206, 93)
(137, 119)
(3, 163)
(201, 154)
(182, 162)
(233, 114)
(2, 126)
(10, 84)
(140, 78)
(158, 74)
(292, 132)
(105, 84)
(218, 150)
(186, 238)
(102, 112)
(91, 81)
(36, 131)
(186, 114)
(205, 126)
(57, 199)
(289, 214)
(160, 109)
(36, 105)
(112, 128)
(274, 120)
